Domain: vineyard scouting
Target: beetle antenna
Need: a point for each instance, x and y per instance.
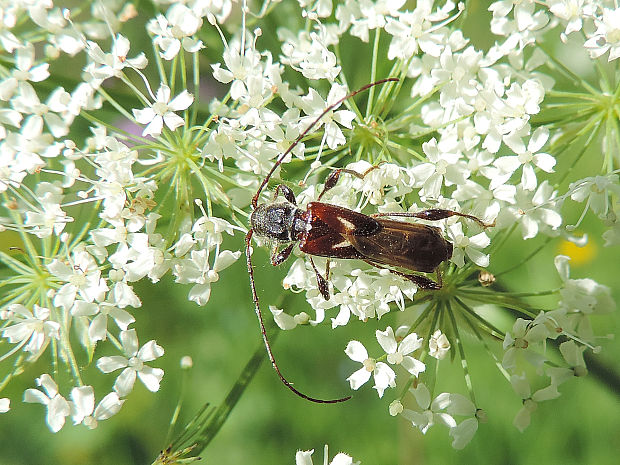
(259, 314)
(307, 130)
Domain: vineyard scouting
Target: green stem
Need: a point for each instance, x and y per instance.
(201, 429)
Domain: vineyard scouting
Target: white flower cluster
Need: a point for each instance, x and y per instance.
(526, 344)
(83, 280)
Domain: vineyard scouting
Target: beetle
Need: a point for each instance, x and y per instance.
(336, 232)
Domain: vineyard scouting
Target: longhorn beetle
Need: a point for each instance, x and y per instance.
(336, 232)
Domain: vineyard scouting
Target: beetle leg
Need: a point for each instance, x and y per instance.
(332, 179)
(278, 257)
(321, 281)
(421, 281)
(286, 192)
(435, 214)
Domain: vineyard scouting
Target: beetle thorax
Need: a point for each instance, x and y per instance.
(282, 222)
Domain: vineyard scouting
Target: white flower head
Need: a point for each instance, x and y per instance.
(397, 353)
(606, 37)
(384, 376)
(162, 111)
(432, 410)
(582, 295)
(470, 246)
(57, 406)
(175, 30)
(521, 386)
(133, 363)
(438, 345)
(526, 157)
(31, 329)
(313, 104)
(84, 410)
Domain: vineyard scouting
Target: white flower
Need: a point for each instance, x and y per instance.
(308, 53)
(162, 111)
(239, 69)
(174, 29)
(464, 245)
(445, 167)
(570, 11)
(112, 64)
(582, 295)
(198, 270)
(412, 30)
(286, 321)
(373, 15)
(431, 411)
(595, 191)
(50, 217)
(57, 406)
(82, 276)
(133, 364)
(383, 374)
(438, 345)
(27, 102)
(98, 328)
(313, 105)
(522, 387)
(573, 356)
(463, 433)
(32, 330)
(526, 336)
(24, 71)
(536, 211)
(397, 353)
(607, 35)
(84, 410)
(525, 158)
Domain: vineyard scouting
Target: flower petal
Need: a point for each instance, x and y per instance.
(357, 379)
(356, 351)
(150, 351)
(151, 377)
(386, 340)
(124, 383)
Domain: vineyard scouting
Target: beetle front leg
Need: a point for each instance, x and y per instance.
(332, 179)
(321, 281)
(279, 257)
(435, 214)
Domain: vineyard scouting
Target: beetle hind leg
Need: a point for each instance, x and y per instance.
(421, 281)
(435, 214)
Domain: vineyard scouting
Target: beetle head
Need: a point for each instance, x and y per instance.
(278, 221)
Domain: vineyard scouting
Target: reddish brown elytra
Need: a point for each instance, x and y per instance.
(335, 232)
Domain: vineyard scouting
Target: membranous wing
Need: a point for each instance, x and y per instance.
(415, 247)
